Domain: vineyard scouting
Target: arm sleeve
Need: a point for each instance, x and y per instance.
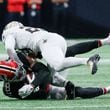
(10, 48)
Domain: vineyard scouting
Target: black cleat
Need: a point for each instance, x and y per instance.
(92, 62)
(70, 90)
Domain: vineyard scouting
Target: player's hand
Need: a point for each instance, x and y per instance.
(20, 69)
(25, 91)
(20, 73)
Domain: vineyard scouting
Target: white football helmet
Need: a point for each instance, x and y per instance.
(13, 24)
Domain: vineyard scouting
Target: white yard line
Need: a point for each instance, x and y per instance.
(60, 107)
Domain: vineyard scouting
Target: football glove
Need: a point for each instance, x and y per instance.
(25, 91)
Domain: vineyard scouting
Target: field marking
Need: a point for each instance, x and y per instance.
(61, 107)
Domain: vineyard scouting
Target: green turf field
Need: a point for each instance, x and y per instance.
(80, 76)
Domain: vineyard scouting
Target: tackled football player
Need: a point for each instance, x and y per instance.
(20, 88)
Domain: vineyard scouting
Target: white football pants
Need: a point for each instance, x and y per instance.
(53, 48)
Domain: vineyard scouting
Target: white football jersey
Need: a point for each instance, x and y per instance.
(25, 37)
(51, 45)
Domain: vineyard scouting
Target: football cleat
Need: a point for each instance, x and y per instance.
(107, 40)
(70, 90)
(92, 62)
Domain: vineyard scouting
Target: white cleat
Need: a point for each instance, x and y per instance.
(108, 39)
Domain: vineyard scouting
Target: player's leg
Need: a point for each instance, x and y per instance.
(87, 46)
(82, 47)
(53, 51)
(59, 80)
(52, 92)
(57, 92)
(91, 92)
(56, 59)
(67, 92)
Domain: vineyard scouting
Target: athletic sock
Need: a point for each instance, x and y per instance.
(105, 41)
(99, 43)
(106, 90)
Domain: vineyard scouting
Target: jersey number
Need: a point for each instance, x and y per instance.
(31, 30)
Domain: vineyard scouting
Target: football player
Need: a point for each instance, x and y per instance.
(36, 80)
(35, 75)
(51, 45)
(17, 89)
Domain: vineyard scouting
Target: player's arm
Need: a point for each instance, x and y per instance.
(10, 48)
